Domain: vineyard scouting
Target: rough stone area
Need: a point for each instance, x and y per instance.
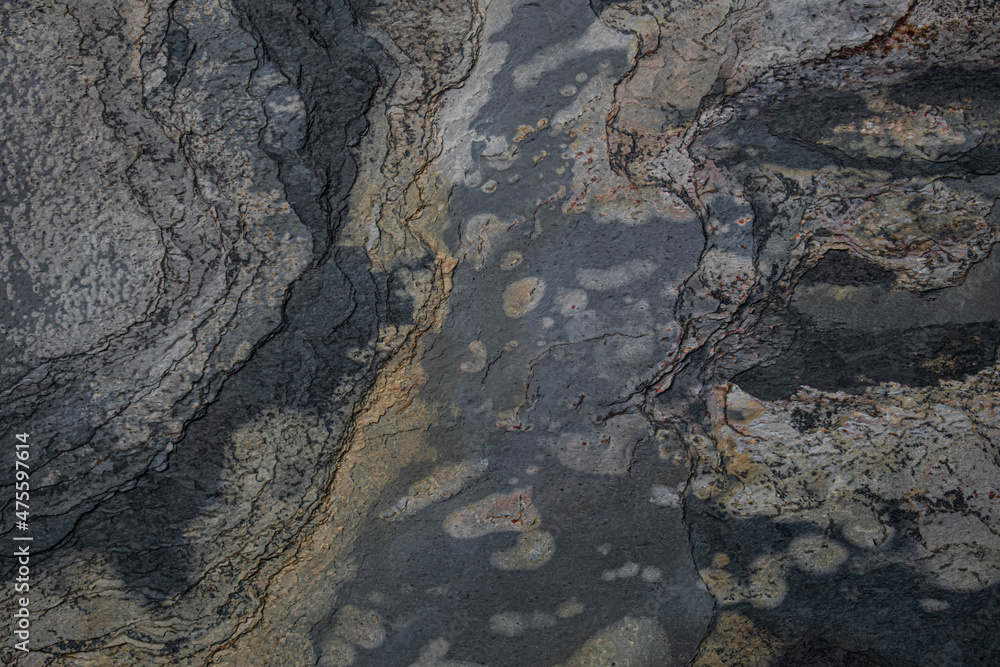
(446, 333)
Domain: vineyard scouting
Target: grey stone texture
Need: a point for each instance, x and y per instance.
(446, 332)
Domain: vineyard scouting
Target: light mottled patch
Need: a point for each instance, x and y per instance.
(633, 641)
(910, 447)
(817, 554)
(522, 296)
(736, 641)
(615, 277)
(533, 550)
(441, 484)
(500, 512)
(570, 608)
(477, 349)
(626, 571)
(434, 654)
(664, 496)
(608, 451)
(570, 303)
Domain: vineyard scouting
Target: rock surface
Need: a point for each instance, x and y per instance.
(453, 333)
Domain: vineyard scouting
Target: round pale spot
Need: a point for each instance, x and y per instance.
(932, 605)
(628, 570)
(570, 608)
(523, 296)
(664, 496)
(571, 302)
(507, 623)
(568, 90)
(768, 584)
(478, 361)
(817, 554)
(510, 260)
(360, 627)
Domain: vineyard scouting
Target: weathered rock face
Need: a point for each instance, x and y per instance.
(507, 333)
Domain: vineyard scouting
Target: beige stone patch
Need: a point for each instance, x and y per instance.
(605, 452)
(626, 571)
(525, 132)
(443, 483)
(510, 260)
(360, 627)
(499, 153)
(765, 589)
(859, 524)
(570, 608)
(636, 642)
(533, 550)
(736, 642)
(500, 512)
(337, 653)
(616, 276)
(478, 362)
(670, 443)
(480, 235)
(896, 131)
(523, 296)
(434, 655)
(817, 554)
